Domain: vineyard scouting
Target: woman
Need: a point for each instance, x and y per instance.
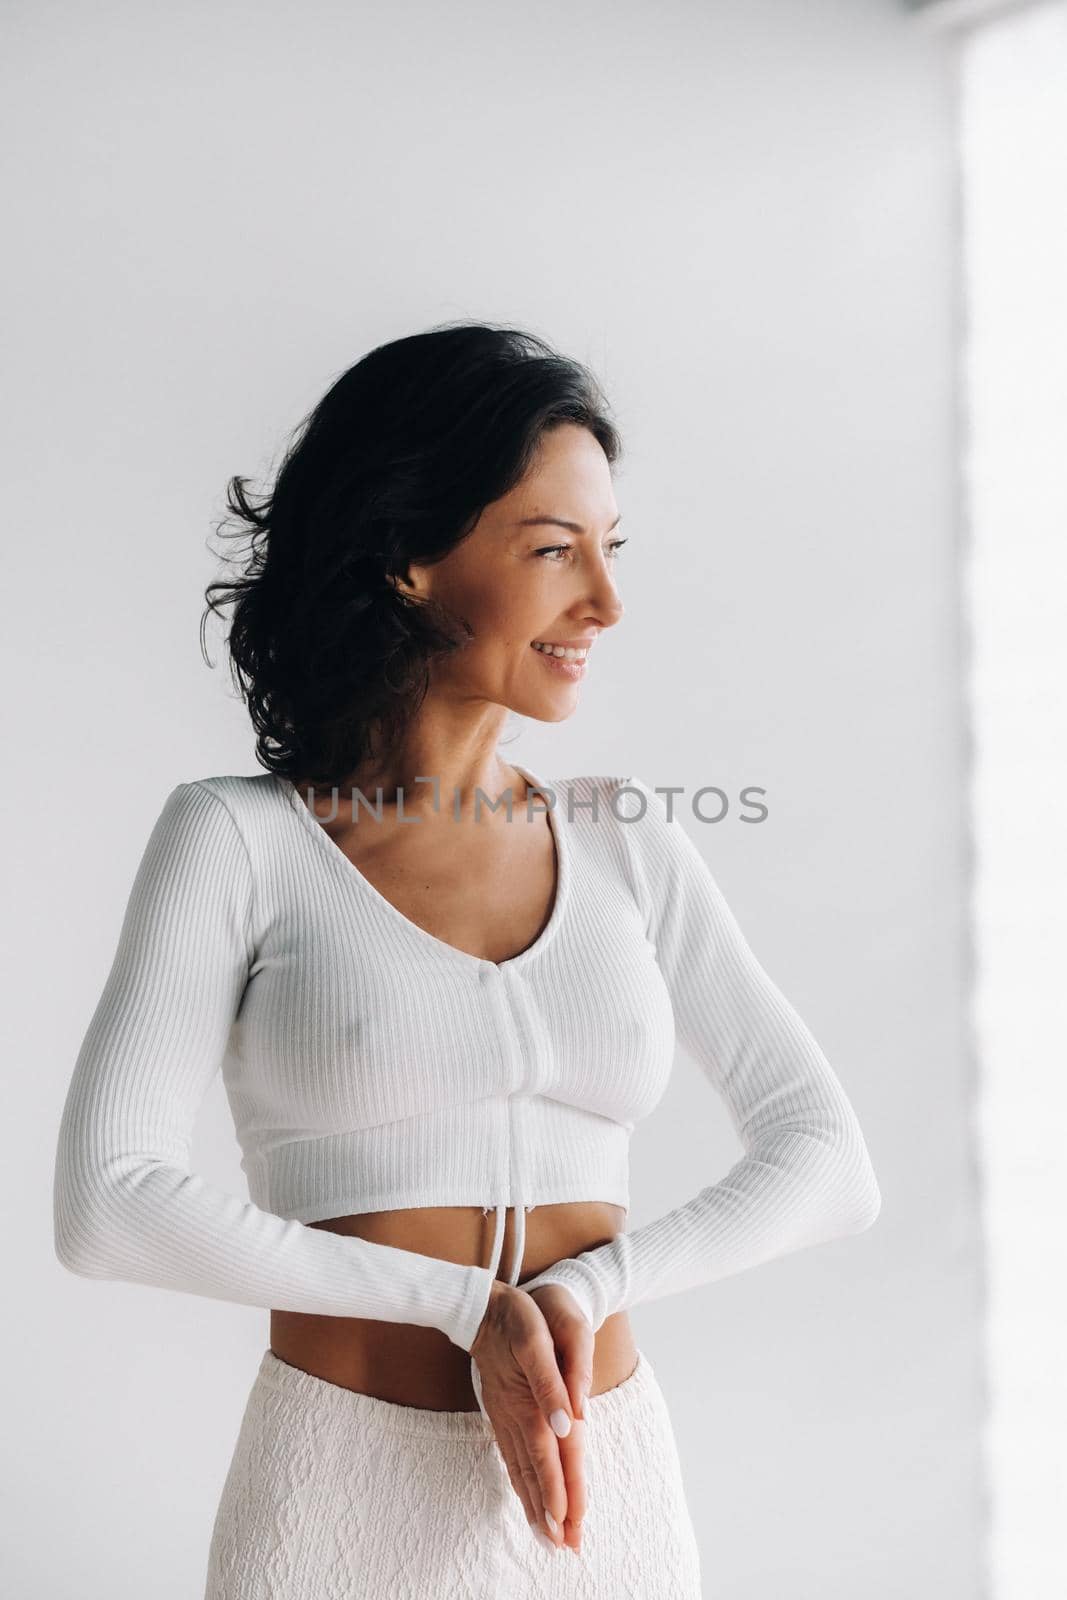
(442, 992)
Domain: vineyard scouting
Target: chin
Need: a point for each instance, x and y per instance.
(542, 710)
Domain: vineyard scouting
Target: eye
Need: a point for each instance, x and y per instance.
(557, 551)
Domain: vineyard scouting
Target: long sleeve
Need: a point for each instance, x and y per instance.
(126, 1205)
(805, 1176)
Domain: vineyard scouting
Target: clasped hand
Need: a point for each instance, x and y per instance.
(534, 1353)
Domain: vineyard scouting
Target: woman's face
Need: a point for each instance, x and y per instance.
(518, 580)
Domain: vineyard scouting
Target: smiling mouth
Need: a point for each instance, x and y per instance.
(561, 652)
(567, 664)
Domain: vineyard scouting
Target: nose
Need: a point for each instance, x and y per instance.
(609, 616)
(604, 603)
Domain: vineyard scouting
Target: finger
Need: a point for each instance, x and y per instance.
(543, 1427)
(537, 1357)
(513, 1453)
(542, 1446)
(534, 1492)
(574, 1344)
(572, 1452)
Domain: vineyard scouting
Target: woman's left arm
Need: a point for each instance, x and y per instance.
(805, 1176)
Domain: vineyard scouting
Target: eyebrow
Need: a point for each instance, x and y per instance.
(559, 522)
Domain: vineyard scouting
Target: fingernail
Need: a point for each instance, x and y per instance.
(539, 1533)
(552, 1523)
(560, 1423)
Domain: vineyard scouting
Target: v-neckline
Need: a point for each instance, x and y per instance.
(344, 864)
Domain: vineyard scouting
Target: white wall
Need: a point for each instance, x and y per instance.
(1013, 83)
(742, 215)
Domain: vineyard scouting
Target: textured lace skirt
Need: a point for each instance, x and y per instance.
(335, 1495)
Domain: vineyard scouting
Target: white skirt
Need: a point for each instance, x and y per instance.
(334, 1495)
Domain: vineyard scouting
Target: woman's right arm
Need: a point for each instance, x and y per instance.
(126, 1205)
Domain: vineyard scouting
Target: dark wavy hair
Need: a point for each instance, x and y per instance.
(394, 465)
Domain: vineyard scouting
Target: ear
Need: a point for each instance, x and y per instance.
(401, 582)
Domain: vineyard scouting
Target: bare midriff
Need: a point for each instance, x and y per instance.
(417, 1366)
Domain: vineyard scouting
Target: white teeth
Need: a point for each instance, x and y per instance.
(565, 652)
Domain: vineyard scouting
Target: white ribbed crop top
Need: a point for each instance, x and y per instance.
(369, 1066)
